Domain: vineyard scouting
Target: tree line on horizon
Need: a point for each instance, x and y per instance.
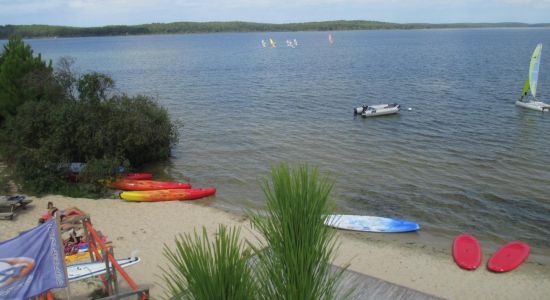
(32, 31)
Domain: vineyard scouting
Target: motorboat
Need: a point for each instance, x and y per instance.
(377, 110)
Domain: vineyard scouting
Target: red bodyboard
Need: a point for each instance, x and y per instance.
(467, 252)
(508, 257)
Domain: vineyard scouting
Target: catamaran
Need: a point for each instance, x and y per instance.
(531, 85)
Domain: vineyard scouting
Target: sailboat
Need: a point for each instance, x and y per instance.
(263, 44)
(272, 42)
(531, 85)
(330, 39)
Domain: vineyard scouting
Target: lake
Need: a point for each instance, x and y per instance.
(463, 159)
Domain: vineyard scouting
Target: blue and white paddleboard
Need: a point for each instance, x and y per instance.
(369, 223)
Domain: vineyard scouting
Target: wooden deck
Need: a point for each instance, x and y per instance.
(367, 287)
(354, 285)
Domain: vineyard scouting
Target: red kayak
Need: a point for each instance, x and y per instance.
(508, 257)
(147, 185)
(139, 176)
(467, 252)
(167, 195)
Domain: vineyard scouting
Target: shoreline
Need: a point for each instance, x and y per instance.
(147, 227)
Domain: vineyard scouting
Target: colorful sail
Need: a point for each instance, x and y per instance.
(525, 89)
(534, 70)
(330, 39)
(272, 42)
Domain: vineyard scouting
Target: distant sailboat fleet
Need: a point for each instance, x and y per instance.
(291, 43)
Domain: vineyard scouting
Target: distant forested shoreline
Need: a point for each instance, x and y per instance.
(35, 31)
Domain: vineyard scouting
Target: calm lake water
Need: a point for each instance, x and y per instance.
(464, 159)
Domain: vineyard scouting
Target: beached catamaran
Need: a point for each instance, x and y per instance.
(531, 84)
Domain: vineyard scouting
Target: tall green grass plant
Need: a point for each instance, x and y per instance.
(201, 269)
(295, 261)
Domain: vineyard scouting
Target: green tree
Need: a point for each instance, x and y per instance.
(94, 87)
(23, 77)
(62, 117)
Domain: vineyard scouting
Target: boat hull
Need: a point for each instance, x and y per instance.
(534, 105)
(167, 195)
(378, 110)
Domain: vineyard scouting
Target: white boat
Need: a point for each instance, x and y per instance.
(377, 110)
(525, 100)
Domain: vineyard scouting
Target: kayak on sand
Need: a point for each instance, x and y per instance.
(147, 185)
(167, 195)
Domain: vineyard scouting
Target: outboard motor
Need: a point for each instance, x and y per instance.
(359, 110)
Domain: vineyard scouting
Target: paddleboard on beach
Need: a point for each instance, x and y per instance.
(508, 257)
(370, 223)
(86, 270)
(467, 252)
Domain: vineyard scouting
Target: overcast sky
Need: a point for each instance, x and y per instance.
(130, 12)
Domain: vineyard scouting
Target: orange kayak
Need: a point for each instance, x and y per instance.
(167, 195)
(147, 185)
(138, 176)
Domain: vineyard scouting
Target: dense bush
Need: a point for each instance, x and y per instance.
(76, 119)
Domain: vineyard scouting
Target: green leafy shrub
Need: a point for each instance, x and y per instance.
(68, 118)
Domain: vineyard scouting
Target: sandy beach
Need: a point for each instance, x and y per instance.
(147, 227)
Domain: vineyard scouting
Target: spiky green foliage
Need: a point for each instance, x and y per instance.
(204, 270)
(296, 262)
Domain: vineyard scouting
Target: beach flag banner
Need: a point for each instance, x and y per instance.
(32, 263)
